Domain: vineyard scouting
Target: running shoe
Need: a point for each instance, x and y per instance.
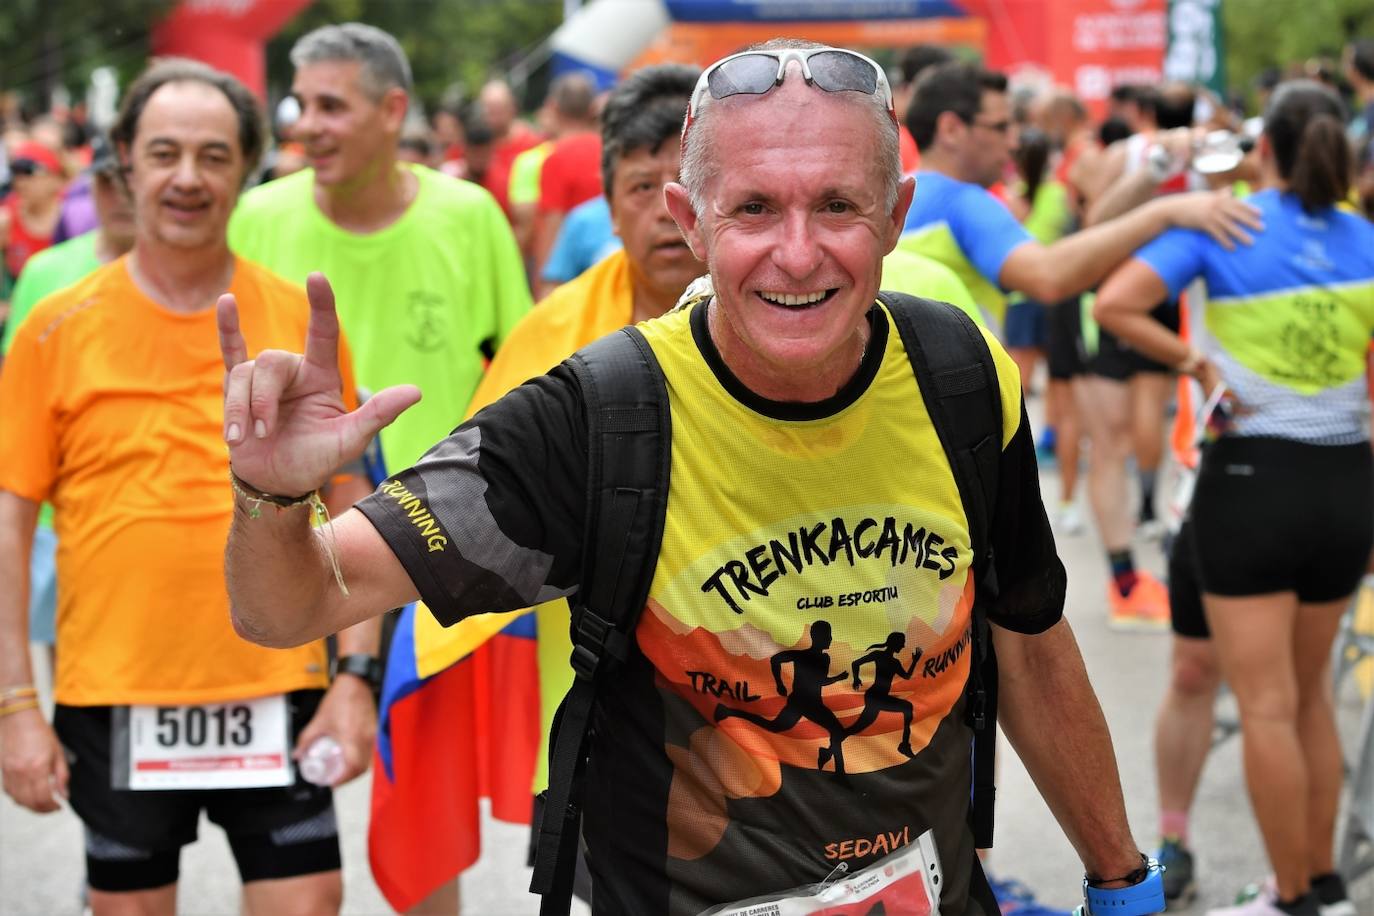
(1265, 905)
(1144, 609)
(1069, 519)
(1015, 899)
(1332, 896)
(1180, 887)
(1151, 529)
(1044, 448)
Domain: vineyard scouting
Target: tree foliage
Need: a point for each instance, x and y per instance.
(46, 44)
(462, 42)
(1277, 33)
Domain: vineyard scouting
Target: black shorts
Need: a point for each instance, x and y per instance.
(1064, 340)
(1274, 515)
(134, 838)
(1119, 361)
(1024, 326)
(1185, 589)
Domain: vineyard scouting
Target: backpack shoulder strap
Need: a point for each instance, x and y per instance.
(958, 381)
(955, 371)
(629, 434)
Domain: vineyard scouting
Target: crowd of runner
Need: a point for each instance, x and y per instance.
(1187, 284)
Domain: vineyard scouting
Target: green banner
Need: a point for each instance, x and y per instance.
(1196, 51)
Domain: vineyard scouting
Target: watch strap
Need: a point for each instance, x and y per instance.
(367, 667)
(1147, 896)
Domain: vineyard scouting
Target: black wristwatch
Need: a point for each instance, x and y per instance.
(367, 667)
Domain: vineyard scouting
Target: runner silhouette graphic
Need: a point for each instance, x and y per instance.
(810, 674)
(878, 697)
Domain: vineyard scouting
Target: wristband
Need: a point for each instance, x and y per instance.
(367, 667)
(253, 495)
(1143, 897)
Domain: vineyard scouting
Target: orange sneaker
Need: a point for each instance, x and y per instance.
(1144, 609)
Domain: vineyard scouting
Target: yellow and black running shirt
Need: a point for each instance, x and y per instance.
(794, 699)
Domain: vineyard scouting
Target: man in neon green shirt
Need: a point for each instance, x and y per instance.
(426, 271)
(46, 272)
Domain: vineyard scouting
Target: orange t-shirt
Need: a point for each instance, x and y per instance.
(113, 411)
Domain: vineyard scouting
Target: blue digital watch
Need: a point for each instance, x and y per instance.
(1146, 896)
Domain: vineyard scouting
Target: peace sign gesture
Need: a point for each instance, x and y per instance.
(284, 415)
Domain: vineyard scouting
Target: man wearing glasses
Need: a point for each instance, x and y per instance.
(960, 118)
(802, 463)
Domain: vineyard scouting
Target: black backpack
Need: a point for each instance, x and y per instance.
(628, 442)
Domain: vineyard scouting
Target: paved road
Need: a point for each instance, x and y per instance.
(40, 865)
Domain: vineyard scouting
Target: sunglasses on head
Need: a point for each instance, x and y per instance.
(758, 72)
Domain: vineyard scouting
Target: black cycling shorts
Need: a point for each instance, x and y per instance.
(1185, 589)
(1064, 340)
(1274, 515)
(1119, 361)
(134, 838)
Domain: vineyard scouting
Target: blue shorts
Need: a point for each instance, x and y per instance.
(43, 587)
(1025, 325)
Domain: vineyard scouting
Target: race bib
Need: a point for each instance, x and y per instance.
(243, 744)
(905, 883)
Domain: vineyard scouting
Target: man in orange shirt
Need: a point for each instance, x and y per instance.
(112, 411)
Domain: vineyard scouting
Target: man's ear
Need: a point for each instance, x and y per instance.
(906, 193)
(395, 104)
(948, 127)
(680, 206)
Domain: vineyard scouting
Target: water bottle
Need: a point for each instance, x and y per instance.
(1218, 151)
(323, 762)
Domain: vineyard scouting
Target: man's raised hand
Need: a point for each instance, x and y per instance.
(284, 415)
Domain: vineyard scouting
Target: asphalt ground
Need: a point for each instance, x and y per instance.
(41, 855)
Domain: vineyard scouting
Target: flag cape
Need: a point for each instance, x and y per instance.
(463, 709)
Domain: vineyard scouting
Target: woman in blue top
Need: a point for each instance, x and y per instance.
(1281, 517)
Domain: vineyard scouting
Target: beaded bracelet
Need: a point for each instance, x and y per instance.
(255, 498)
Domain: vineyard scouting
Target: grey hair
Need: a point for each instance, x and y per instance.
(700, 165)
(384, 64)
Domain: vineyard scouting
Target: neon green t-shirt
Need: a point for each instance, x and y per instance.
(917, 275)
(45, 273)
(423, 301)
(524, 174)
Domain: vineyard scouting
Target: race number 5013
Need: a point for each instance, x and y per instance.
(236, 745)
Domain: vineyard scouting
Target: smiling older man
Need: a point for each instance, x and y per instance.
(797, 417)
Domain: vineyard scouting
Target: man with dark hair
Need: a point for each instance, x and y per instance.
(110, 409)
(914, 61)
(428, 278)
(961, 119)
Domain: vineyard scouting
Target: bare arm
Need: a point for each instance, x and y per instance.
(1123, 307)
(1124, 195)
(18, 517)
(1049, 273)
(287, 431)
(32, 762)
(1050, 714)
(363, 638)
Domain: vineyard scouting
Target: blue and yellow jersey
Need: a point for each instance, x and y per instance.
(964, 227)
(1287, 320)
